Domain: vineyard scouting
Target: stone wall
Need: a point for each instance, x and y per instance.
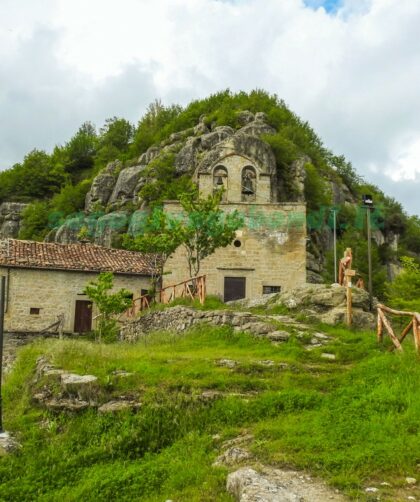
(269, 251)
(178, 319)
(54, 293)
(234, 165)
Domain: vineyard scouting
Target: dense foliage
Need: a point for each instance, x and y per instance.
(403, 291)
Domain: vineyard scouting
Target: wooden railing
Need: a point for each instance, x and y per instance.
(192, 288)
(413, 325)
(56, 327)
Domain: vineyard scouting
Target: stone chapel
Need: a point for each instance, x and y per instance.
(269, 252)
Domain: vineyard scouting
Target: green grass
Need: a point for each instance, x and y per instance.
(353, 421)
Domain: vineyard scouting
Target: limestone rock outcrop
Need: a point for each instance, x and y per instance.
(275, 485)
(102, 187)
(115, 189)
(10, 219)
(241, 144)
(109, 227)
(127, 186)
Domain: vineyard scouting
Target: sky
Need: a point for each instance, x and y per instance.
(351, 68)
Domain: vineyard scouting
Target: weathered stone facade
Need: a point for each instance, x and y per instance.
(49, 293)
(269, 252)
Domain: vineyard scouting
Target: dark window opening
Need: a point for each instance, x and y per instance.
(34, 311)
(237, 243)
(268, 290)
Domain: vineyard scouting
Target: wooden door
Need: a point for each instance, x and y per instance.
(83, 316)
(235, 288)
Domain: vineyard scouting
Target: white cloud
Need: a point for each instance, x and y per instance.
(353, 75)
(405, 160)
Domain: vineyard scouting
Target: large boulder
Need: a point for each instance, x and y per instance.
(83, 387)
(109, 227)
(297, 173)
(185, 160)
(247, 485)
(325, 303)
(149, 155)
(337, 315)
(248, 146)
(10, 219)
(201, 127)
(245, 117)
(341, 193)
(127, 186)
(258, 126)
(219, 134)
(102, 187)
(68, 232)
(275, 485)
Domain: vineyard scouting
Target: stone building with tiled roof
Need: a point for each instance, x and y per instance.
(47, 280)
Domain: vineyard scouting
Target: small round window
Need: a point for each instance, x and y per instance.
(237, 243)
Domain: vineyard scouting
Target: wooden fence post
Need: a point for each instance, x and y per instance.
(380, 330)
(349, 311)
(416, 333)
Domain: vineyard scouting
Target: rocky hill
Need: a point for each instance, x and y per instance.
(102, 184)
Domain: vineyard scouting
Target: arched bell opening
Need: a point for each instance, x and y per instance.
(220, 181)
(248, 184)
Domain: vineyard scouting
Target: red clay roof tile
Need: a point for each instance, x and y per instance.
(77, 257)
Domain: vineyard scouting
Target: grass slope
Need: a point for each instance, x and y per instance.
(354, 421)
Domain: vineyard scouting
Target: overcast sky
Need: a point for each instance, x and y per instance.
(349, 67)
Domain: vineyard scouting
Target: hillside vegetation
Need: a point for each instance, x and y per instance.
(353, 421)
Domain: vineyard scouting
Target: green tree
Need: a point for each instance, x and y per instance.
(163, 182)
(206, 228)
(160, 237)
(114, 140)
(81, 149)
(108, 304)
(71, 198)
(37, 176)
(403, 291)
(35, 221)
(317, 190)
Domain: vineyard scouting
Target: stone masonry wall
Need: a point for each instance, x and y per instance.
(178, 319)
(234, 166)
(54, 293)
(271, 251)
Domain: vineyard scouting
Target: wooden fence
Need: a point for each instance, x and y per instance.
(192, 288)
(413, 325)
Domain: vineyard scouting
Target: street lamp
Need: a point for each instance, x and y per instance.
(2, 302)
(334, 212)
(368, 205)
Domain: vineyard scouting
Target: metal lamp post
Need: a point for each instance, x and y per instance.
(334, 212)
(368, 204)
(2, 302)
